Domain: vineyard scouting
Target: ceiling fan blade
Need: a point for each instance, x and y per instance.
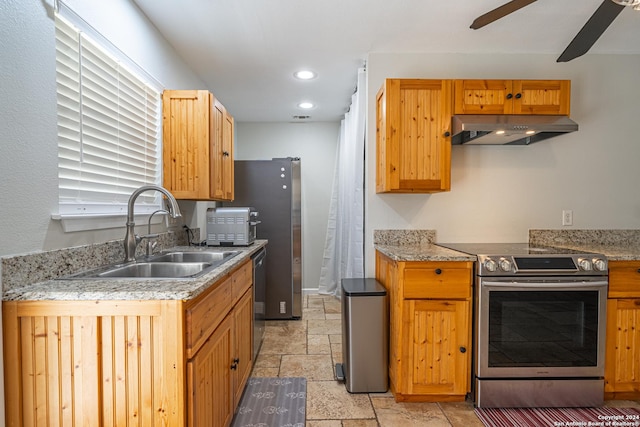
(592, 30)
(499, 12)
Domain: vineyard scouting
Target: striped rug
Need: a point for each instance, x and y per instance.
(559, 417)
(272, 402)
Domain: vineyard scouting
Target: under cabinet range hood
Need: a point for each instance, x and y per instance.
(485, 129)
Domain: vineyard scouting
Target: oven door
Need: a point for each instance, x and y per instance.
(540, 327)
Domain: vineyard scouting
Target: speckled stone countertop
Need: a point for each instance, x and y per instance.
(422, 252)
(133, 289)
(414, 245)
(616, 245)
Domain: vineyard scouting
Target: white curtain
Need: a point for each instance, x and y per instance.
(344, 245)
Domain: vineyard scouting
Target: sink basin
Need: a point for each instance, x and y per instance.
(180, 257)
(156, 269)
(169, 265)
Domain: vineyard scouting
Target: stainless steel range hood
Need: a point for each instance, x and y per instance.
(472, 129)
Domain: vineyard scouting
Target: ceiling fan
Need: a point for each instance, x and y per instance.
(586, 37)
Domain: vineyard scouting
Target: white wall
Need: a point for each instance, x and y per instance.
(499, 192)
(28, 153)
(315, 144)
(28, 124)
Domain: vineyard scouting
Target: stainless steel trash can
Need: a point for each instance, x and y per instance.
(365, 336)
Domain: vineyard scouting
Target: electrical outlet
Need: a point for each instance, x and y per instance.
(567, 217)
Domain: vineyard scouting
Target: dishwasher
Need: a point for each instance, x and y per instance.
(259, 296)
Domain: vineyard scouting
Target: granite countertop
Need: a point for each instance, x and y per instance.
(422, 252)
(612, 252)
(133, 289)
(616, 245)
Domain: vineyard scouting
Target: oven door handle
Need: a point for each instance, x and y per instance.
(545, 285)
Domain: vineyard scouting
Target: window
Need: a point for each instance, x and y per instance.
(109, 122)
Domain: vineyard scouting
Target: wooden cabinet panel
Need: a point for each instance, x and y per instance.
(482, 96)
(413, 139)
(622, 366)
(436, 280)
(112, 363)
(197, 146)
(203, 315)
(210, 388)
(186, 147)
(435, 346)
(227, 181)
(550, 97)
(624, 279)
(242, 280)
(243, 330)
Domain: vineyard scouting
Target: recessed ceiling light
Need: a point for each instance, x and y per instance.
(304, 74)
(306, 105)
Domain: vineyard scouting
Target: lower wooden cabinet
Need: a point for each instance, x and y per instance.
(622, 361)
(129, 363)
(209, 379)
(430, 329)
(243, 344)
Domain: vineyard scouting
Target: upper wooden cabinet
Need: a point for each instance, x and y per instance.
(198, 146)
(413, 136)
(551, 97)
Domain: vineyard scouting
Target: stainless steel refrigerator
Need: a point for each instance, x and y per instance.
(273, 188)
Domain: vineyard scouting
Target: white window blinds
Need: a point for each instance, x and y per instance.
(108, 129)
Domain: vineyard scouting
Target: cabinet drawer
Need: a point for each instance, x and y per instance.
(437, 281)
(242, 280)
(205, 315)
(624, 279)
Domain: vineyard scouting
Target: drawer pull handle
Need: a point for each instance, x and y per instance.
(438, 271)
(638, 270)
(509, 96)
(236, 361)
(234, 366)
(463, 349)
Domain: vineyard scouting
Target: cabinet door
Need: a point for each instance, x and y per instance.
(186, 148)
(622, 362)
(227, 157)
(209, 384)
(413, 140)
(551, 97)
(86, 364)
(217, 148)
(483, 97)
(435, 347)
(243, 329)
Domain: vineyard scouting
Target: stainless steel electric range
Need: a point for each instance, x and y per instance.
(539, 325)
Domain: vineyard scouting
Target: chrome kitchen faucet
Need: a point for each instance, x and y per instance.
(131, 239)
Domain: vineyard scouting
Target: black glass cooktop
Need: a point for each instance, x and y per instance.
(514, 249)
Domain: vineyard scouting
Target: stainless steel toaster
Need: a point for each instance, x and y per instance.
(232, 226)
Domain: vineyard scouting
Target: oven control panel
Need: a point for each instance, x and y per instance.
(557, 264)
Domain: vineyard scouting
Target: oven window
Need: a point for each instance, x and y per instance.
(543, 328)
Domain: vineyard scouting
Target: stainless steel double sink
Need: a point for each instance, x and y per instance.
(169, 265)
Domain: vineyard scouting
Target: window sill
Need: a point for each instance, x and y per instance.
(73, 223)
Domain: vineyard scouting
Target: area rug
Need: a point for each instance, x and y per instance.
(272, 402)
(559, 417)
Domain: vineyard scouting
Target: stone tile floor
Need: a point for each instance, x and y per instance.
(310, 348)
